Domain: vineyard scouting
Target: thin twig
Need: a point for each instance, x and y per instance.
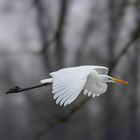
(135, 36)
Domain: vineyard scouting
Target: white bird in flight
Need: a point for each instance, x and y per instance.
(67, 83)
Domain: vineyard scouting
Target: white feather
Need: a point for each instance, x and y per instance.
(85, 91)
(89, 93)
(93, 95)
(73, 97)
(69, 78)
(69, 82)
(66, 97)
(49, 80)
(64, 94)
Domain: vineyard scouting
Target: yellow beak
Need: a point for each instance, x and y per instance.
(119, 81)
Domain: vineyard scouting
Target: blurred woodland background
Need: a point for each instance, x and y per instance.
(41, 36)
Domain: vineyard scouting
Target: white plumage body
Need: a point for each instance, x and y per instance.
(69, 82)
(93, 85)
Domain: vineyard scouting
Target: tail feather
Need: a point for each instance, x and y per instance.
(49, 80)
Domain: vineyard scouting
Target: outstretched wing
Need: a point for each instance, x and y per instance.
(68, 83)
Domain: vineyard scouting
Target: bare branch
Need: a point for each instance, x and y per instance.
(59, 50)
(58, 31)
(63, 119)
(43, 33)
(57, 37)
(135, 36)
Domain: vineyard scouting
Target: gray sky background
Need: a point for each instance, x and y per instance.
(94, 32)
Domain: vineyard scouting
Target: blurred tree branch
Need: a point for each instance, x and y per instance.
(58, 35)
(57, 120)
(88, 30)
(115, 18)
(58, 31)
(43, 32)
(135, 36)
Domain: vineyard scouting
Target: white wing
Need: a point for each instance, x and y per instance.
(68, 83)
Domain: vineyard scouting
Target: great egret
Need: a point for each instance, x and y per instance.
(69, 82)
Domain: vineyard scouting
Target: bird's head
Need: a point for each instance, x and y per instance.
(109, 79)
